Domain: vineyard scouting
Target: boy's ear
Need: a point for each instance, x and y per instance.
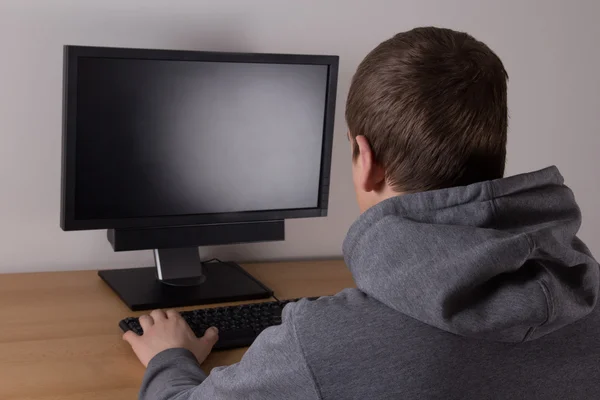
(371, 175)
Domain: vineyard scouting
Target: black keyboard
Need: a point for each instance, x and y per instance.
(238, 325)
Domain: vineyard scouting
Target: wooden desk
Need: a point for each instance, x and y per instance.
(59, 338)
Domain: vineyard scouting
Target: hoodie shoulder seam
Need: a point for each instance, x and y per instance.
(549, 310)
(549, 302)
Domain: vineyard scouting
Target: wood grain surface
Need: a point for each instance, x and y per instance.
(59, 338)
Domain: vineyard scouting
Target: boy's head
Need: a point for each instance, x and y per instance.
(427, 109)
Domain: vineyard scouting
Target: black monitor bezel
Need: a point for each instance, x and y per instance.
(72, 54)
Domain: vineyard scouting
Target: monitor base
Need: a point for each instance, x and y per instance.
(140, 288)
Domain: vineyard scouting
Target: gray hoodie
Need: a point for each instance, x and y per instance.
(476, 292)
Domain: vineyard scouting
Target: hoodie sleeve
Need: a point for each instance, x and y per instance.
(274, 367)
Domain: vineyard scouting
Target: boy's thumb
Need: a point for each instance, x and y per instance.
(211, 336)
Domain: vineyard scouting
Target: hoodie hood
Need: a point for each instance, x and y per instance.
(496, 260)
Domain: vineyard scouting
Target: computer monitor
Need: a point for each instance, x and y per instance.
(172, 150)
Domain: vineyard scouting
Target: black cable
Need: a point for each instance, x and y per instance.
(168, 283)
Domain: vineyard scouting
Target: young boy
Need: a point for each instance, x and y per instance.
(470, 286)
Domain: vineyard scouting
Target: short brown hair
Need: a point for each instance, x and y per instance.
(432, 103)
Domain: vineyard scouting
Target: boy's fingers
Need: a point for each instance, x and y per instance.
(146, 321)
(158, 315)
(130, 337)
(172, 314)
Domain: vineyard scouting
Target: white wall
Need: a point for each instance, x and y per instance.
(549, 49)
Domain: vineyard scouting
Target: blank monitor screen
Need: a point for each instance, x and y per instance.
(164, 138)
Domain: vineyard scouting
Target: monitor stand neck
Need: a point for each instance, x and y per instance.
(179, 267)
(181, 279)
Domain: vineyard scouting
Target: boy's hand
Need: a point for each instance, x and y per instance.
(168, 330)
